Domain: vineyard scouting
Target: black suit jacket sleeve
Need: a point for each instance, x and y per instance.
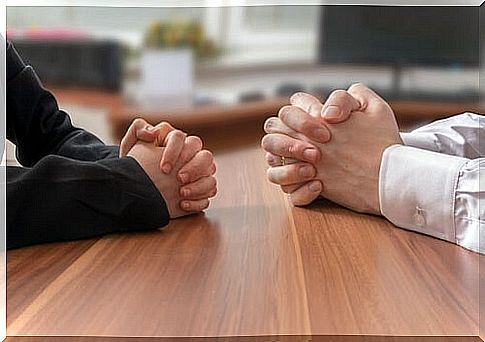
(72, 186)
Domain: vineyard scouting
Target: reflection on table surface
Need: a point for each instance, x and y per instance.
(252, 265)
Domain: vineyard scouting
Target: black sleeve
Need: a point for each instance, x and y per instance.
(36, 125)
(64, 199)
(74, 186)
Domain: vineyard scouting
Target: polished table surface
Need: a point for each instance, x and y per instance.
(252, 265)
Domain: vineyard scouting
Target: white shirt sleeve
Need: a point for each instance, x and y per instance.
(457, 135)
(425, 190)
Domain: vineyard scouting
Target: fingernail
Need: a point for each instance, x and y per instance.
(185, 192)
(314, 187)
(332, 112)
(166, 168)
(268, 125)
(310, 154)
(321, 133)
(185, 205)
(306, 171)
(184, 177)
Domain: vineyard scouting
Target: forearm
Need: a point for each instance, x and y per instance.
(432, 193)
(63, 199)
(37, 126)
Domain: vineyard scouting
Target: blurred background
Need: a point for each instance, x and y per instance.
(228, 67)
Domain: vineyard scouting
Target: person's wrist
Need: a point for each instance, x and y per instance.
(151, 207)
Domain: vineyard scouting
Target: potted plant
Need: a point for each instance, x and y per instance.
(167, 61)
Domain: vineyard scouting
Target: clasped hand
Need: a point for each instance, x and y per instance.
(181, 170)
(332, 150)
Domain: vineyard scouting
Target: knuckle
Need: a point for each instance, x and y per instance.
(207, 155)
(138, 122)
(196, 140)
(269, 124)
(288, 148)
(296, 95)
(266, 142)
(339, 94)
(294, 149)
(164, 124)
(284, 111)
(270, 173)
(165, 127)
(178, 134)
(273, 143)
(356, 85)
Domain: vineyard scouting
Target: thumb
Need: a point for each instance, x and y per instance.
(364, 95)
(147, 133)
(139, 130)
(339, 106)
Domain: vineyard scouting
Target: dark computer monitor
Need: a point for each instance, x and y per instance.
(400, 35)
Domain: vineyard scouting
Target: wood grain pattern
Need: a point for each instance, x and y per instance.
(282, 338)
(252, 265)
(47, 267)
(233, 271)
(364, 276)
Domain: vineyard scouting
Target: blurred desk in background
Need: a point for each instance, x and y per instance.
(412, 114)
(199, 120)
(233, 118)
(90, 97)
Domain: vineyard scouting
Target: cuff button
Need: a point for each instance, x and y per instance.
(418, 217)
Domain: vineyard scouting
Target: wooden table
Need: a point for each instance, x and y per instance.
(253, 265)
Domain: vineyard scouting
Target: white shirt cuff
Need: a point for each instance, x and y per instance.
(417, 190)
(424, 140)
